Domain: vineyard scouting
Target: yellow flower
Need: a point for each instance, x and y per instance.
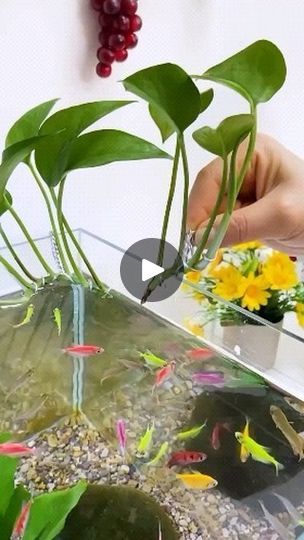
(255, 294)
(194, 328)
(255, 244)
(300, 313)
(231, 285)
(216, 261)
(194, 276)
(280, 271)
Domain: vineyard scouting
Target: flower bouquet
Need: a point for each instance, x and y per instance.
(252, 276)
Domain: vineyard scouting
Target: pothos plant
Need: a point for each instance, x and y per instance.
(53, 146)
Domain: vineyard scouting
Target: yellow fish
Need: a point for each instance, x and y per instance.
(244, 454)
(27, 317)
(190, 433)
(57, 319)
(257, 451)
(295, 440)
(196, 480)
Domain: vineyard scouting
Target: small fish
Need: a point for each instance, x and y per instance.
(22, 521)
(296, 442)
(186, 457)
(152, 360)
(257, 451)
(208, 377)
(296, 404)
(200, 353)
(164, 373)
(293, 512)
(57, 319)
(161, 452)
(27, 317)
(121, 435)
(83, 350)
(244, 454)
(15, 449)
(197, 480)
(145, 442)
(276, 524)
(215, 437)
(191, 433)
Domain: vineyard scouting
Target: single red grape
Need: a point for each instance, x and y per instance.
(105, 21)
(122, 55)
(122, 22)
(111, 7)
(129, 7)
(135, 23)
(103, 70)
(117, 42)
(131, 41)
(105, 56)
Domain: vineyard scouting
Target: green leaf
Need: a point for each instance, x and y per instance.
(52, 154)
(169, 89)
(227, 136)
(51, 510)
(28, 125)
(257, 72)
(109, 145)
(5, 202)
(12, 157)
(206, 98)
(19, 496)
(8, 468)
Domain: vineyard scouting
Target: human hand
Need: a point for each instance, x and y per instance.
(270, 205)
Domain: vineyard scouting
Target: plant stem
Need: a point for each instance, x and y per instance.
(82, 254)
(169, 203)
(186, 193)
(15, 255)
(15, 273)
(31, 242)
(51, 217)
(250, 149)
(197, 255)
(58, 203)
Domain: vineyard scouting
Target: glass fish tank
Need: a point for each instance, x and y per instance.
(180, 436)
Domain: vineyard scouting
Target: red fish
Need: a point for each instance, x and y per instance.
(22, 521)
(164, 373)
(15, 449)
(83, 350)
(201, 353)
(215, 437)
(186, 457)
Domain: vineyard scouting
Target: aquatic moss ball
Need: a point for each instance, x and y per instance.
(117, 513)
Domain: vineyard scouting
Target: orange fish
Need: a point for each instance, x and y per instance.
(22, 521)
(197, 480)
(164, 373)
(200, 353)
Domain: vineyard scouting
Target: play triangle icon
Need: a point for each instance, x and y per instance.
(150, 269)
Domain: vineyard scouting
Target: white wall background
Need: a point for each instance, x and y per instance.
(48, 50)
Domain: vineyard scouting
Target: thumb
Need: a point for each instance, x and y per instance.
(254, 222)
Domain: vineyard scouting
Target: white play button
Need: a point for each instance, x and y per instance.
(150, 269)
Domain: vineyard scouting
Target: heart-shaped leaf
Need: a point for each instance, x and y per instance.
(227, 136)
(174, 98)
(12, 157)
(51, 156)
(50, 510)
(109, 145)
(257, 72)
(28, 125)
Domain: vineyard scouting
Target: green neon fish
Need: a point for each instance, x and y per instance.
(145, 441)
(191, 433)
(161, 452)
(57, 319)
(152, 360)
(27, 318)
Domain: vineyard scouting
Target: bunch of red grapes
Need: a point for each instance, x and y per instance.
(119, 22)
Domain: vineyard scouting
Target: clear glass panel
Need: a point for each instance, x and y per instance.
(70, 404)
